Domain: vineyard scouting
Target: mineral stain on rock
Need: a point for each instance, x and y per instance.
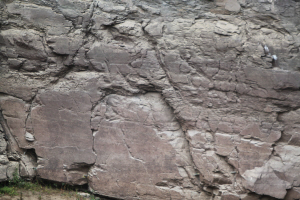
(153, 99)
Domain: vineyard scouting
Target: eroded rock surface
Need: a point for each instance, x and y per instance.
(61, 126)
(141, 149)
(153, 99)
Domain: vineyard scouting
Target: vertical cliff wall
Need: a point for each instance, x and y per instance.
(153, 99)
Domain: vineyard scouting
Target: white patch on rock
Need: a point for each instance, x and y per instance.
(29, 137)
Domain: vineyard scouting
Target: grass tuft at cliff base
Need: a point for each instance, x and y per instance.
(17, 186)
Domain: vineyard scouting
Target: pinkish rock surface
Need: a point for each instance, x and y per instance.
(153, 99)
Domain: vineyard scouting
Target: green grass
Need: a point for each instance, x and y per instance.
(17, 184)
(8, 190)
(11, 188)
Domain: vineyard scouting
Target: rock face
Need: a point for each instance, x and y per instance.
(153, 99)
(60, 122)
(141, 149)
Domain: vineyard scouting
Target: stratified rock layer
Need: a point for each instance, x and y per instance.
(153, 99)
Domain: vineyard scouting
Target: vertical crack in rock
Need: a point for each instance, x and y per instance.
(13, 148)
(193, 176)
(128, 148)
(162, 65)
(144, 133)
(196, 171)
(130, 154)
(184, 115)
(94, 132)
(15, 153)
(28, 122)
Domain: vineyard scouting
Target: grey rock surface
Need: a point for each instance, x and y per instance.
(153, 99)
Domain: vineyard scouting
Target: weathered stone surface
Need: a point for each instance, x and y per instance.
(278, 172)
(3, 143)
(153, 99)
(3, 176)
(225, 28)
(230, 197)
(139, 145)
(65, 45)
(3, 160)
(12, 170)
(23, 44)
(41, 16)
(232, 5)
(265, 181)
(15, 112)
(61, 126)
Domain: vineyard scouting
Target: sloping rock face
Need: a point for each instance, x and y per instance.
(153, 99)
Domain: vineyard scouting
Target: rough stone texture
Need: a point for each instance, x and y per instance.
(61, 126)
(153, 99)
(12, 170)
(140, 149)
(3, 157)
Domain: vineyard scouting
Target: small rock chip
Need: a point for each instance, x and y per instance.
(83, 194)
(29, 137)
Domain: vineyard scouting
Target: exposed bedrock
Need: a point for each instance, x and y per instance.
(153, 99)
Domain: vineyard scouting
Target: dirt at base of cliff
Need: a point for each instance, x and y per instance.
(50, 194)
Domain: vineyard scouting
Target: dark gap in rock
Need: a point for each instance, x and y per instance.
(32, 154)
(133, 15)
(64, 186)
(118, 90)
(266, 197)
(162, 184)
(82, 167)
(123, 38)
(60, 185)
(285, 106)
(64, 56)
(23, 45)
(64, 71)
(147, 88)
(108, 26)
(5, 129)
(151, 39)
(12, 157)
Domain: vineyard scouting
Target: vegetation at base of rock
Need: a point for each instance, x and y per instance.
(8, 190)
(11, 187)
(16, 185)
(152, 99)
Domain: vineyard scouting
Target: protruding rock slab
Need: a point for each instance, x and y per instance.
(138, 143)
(64, 140)
(263, 180)
(14, 111)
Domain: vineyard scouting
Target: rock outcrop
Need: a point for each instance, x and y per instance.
(153, 99)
